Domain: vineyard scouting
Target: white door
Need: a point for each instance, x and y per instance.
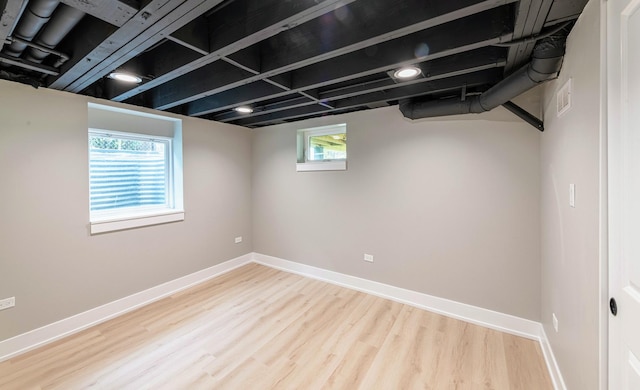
(623, 80)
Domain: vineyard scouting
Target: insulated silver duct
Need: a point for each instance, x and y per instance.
(62, 22)
(34, 17)
(545, 64)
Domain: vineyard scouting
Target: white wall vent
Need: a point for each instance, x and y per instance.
(564, 98)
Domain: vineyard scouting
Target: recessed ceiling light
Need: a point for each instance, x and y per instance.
(407, 72)
(336, 137)
(244, 110)
(126, 77)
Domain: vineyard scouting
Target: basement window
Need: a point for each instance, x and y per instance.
(135, 178)
(322, 148)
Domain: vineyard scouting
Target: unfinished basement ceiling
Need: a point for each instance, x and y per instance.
(286, 59)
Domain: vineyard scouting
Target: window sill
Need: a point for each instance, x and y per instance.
(104, 224)
(340, 165)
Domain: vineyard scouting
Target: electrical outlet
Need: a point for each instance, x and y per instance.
(555, 321)
(7, 303)
(368, 258)
(238, 240)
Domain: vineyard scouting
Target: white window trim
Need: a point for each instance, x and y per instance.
(329, 165)
(135, 220)
(122, 219)
(306, 165)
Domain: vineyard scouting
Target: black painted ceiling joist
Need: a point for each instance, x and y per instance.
(142, 31)
(286, 15)
(464, 35)
(9, 17)
(349, 39)
(480, 59)
(403, 92)
(289, 60)
(116, 12)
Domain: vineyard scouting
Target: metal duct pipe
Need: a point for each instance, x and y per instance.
(62, 22)
(34, 17)
(63, 57)
(545, 64)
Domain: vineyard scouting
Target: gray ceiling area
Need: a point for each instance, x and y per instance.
(287, 60)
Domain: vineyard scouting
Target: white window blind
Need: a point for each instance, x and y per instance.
(129, 172)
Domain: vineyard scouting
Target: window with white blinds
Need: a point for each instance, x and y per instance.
(129, 172)
(135, 176)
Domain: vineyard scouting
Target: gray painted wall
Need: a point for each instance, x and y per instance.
(570, 153)
(48, 260)
(448, 207)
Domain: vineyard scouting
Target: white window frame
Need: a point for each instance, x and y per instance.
(103, 221)
(303, 139)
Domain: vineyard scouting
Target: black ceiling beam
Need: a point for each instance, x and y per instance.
(281, 80)
(472, 32)
(166, 56)
(404, 90)
(247, 94)
(369, 89)
(281, 16)
(154, 62)
(481, 59)
(484, 77)
(248, 57)
(185, 12)
(184, 46)
(214, 76)
(295, 101)
(530, 17)
(78, 66)
(429, 87)
(116, 12)
(280, 116)
(194, 35)
(158, 19)
(440, 67)
(351, 30)
(467, 34)
(243, 23)
(87, 34)
(562, 11)
(8, 18)
(203, 79)
(341, 44)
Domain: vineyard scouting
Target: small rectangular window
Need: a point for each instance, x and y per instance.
(322, 148)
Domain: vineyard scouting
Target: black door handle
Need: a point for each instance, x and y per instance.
(613, 305)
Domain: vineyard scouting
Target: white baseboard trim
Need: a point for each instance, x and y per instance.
(57, 330)
(476, 315)
(552, 364)
(473, 314)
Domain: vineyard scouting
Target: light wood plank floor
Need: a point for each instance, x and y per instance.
(259, 328)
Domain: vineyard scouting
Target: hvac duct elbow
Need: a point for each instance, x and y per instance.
(512, 86)
(545, 64)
